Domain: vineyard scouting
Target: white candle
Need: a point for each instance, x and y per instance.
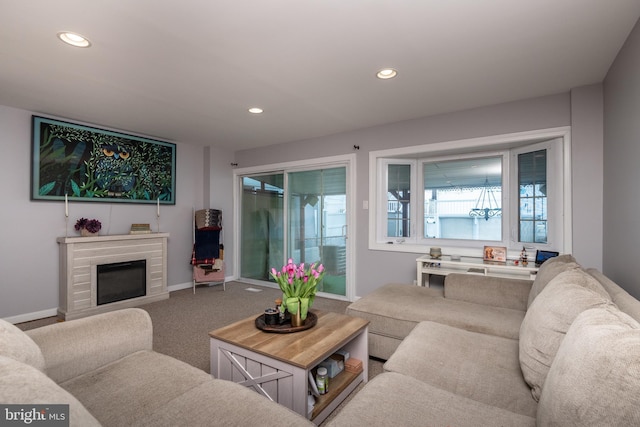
(66, 206)
(158, 212)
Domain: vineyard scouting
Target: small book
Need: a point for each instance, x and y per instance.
(140, 229)
(353, 365)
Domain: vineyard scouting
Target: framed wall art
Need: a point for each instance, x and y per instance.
(91, 164)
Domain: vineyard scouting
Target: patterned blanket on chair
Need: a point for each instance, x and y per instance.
(206, 248)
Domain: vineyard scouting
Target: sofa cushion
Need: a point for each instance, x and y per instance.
(79, 346)
(21, 383)
(478, 366)
(595, 378)
(621, 298)
(151, 389)
(17, 345)
(414, 304)
(222, 403)
(392, 399)
(548, 270)
(549, 318)
(488, 290)
(133, 388)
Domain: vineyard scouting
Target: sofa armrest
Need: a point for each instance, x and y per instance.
(78, 346)
(487, 290)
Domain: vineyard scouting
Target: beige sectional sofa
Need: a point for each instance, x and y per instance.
(104, 367)
(561, 350)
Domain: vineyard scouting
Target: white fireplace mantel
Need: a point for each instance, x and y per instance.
(80, 256)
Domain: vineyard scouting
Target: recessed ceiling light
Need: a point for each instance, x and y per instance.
(386, 73)
(74, 39)
(255, 110)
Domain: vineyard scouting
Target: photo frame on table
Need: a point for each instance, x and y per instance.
(495, 254)
(89, 164)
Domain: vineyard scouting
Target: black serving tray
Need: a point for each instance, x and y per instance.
(285, 327)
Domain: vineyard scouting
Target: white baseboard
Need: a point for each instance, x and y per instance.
(179, 286)
(188, 285)
(27, 317)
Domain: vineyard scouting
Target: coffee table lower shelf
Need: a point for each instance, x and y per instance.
(343, 381)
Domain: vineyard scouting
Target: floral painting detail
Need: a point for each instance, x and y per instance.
(91, 225)
(93, 164)
(299, 285)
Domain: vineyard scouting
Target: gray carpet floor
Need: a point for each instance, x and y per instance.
(181, 323)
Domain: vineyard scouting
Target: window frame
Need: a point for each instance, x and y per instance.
(413, 209)
(555, 193)
(559, 238)
(345, 160)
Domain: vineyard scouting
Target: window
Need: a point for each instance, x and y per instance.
(461, 195)
(532, 197)
(463, 198)
(398, 200)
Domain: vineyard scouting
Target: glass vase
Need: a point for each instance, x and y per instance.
(296, 319)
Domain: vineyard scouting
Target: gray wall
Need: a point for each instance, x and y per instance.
(622, 166)
(28, 229)
(587, 137)
(219, 195)
(539, 113)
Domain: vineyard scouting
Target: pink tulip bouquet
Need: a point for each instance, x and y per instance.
(299, 285)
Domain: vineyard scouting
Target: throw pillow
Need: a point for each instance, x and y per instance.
(17, 345)
(549, 318)
(595, 379)
(548, 270)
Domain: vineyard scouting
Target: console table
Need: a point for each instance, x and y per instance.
(471, 265)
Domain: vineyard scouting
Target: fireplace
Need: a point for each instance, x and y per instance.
(121, 281)
(104, 273)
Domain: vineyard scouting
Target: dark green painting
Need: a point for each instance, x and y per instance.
(93, 164)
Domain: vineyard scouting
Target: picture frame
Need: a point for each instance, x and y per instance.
(496, 254)
(89, 164)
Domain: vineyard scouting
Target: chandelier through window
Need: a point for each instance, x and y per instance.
(487, 206)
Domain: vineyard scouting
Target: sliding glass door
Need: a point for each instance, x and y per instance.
(262, 225)
(298, 214)
(317, 207)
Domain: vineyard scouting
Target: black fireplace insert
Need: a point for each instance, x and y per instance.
(121, 281)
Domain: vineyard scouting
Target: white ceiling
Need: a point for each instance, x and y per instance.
(188, 70)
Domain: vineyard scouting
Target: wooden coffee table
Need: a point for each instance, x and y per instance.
(278, 365)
